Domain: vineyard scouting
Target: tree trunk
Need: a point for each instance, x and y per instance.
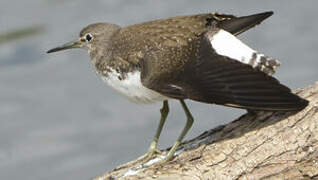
(261, 145)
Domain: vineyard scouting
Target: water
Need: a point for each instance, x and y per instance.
(59, 121)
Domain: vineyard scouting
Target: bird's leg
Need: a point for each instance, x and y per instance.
(183, 133)
(153, 147)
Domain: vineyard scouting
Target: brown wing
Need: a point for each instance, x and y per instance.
(212, 78)
(187, 26)
(177, 32)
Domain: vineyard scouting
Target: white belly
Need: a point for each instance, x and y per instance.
(132, 88)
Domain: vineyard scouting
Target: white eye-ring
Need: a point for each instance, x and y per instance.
(88, 37)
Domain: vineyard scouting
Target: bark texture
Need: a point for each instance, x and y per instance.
(261, 145)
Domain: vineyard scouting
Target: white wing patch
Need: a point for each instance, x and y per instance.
(226, 44)
(132, 88)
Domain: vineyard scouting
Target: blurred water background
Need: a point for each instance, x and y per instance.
(57, 118)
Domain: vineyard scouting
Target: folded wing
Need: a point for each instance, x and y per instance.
(227, 72)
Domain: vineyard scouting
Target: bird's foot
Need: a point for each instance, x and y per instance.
(162, 159)
(153, 151)
(144, 160)
(151, 154)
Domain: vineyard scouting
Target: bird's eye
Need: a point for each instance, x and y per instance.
(88, 37)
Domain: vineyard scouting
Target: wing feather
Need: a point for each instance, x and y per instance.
(209, 77)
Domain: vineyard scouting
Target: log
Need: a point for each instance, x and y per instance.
(259, 145)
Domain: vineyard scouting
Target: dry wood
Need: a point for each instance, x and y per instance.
(261, 145)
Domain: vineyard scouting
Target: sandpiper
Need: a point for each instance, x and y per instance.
(196, 57)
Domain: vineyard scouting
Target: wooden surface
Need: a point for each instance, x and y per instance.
(263, 145)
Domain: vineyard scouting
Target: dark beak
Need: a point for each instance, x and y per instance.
(70, 45)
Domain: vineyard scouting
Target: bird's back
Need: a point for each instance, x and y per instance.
(170, 40)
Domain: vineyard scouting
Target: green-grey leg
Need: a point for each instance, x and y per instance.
(183, 133)
(153, 147)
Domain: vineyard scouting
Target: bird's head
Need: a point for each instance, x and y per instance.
(90, 36)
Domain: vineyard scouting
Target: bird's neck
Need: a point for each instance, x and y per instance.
(100, 59)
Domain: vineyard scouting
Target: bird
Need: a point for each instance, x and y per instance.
(192, 57)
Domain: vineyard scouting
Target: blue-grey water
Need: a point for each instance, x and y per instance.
(59, 121)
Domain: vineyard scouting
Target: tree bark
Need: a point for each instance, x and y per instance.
(261, 145)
